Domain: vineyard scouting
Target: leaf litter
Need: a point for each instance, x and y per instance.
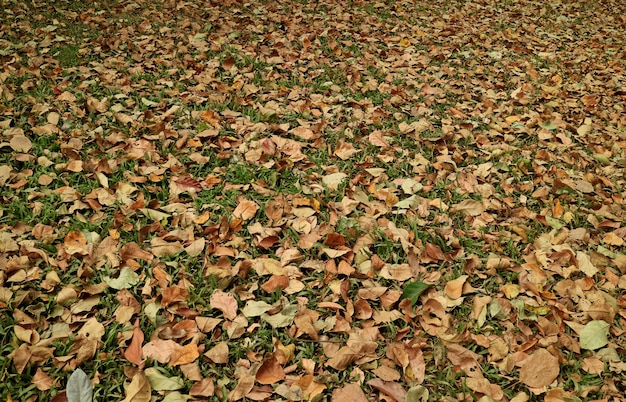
(340, 200)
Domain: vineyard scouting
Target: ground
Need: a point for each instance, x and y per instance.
(326, 200)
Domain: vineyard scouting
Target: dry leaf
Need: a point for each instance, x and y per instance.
(246, 210)
(270, 372)
(139, 389)
(349, 393)
(468, 207)
(225, 302)
(454, 288)
(540, 369)
(134, 352)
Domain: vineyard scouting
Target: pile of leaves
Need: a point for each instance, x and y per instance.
(326, 200)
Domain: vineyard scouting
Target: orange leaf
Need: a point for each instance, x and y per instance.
(185, 355)
(275, 282)
(134, 352)
(75, 239)
(454, 288)
(270, 372)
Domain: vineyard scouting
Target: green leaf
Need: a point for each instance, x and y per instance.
(413, 290)
(418, 393)
(127, 279)
(549, 125)
(282, 319)
(160, 382)
(79, 387)
(594, 335)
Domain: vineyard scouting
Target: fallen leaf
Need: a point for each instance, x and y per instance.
(540, 369)
(246, 210)
(270, 372)
(349, 393)
(468, 207)
(594, 335)
(225, 302)
(139, 389)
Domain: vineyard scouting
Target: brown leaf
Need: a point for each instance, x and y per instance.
(42, 381)
(134, 352)
(160, 350)
(60, 397)
(204, 388)
(454, 288)
(173, 294)
(139, 389)
(187, 354)
(345, 150)
(75, 239)
(218, 354)
(484, 387)
(246, 210)
(270, 372)
(131, 251)
(376, 138)
(279, 282)
(228, 63)
(349, 393)
(20, 143)
(468, 207)
(244, 385)
(389, 388)
(225, 302)
(465, 359)
(540, 369)
(305, 133)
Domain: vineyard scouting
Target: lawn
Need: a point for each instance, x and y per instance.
(332, 200)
